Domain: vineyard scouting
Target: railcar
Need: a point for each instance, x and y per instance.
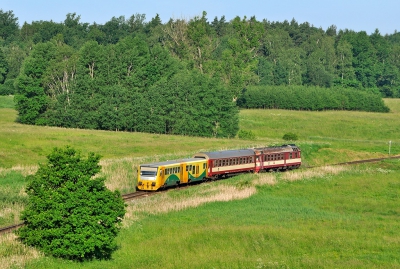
(277, 158)
(154, 176)
(228, 162)
(231, 162)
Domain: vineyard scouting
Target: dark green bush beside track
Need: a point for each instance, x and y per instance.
(70, 214)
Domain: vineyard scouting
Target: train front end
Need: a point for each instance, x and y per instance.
(149, 177)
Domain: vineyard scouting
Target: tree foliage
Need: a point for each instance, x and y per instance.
(70, 213)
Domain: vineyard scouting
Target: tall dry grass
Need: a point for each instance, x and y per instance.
(318, 172)
(14, 254)
(164, 203)
(25, 170)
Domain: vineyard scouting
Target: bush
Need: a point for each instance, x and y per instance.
(290, 137)
(7, 88)
(70, 214)
(246, 135)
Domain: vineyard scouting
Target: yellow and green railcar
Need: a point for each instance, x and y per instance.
(154, 176)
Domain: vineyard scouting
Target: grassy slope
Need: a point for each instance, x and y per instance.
(349, 220)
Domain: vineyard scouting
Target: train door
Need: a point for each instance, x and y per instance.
(161, 176)
(195, 172)
(184, 173)
(258, 161)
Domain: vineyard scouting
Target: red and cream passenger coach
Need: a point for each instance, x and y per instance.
(230, 162)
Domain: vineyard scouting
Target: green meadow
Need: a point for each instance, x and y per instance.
(319, 216)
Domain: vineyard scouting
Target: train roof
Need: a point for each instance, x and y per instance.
(171, 162)
(225, 154)
(283, 148)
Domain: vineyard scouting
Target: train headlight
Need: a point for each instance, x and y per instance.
(153, 184)
(140, 183)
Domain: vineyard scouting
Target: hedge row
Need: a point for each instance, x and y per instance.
(311, 98)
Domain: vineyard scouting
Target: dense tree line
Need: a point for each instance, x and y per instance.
(182, 76)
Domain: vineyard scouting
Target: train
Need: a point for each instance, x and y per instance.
(214, 165)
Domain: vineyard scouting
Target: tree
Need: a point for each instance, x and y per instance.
(3, 67)
(31, 99)
(70, 214)
(8, 24)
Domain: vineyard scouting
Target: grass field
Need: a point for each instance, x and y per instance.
(326, 217)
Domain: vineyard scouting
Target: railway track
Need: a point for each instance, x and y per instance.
(136, 195)
(143, 194)
(370, 160)
(10, 228)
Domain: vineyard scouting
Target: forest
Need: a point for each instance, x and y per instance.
(188, 76)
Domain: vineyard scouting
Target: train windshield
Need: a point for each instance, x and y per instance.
(149, 173)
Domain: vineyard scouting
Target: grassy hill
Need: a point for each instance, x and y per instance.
(326, 217)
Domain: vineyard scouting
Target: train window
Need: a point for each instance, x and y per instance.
(193, 169)
(290, 155)
(204, 165)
